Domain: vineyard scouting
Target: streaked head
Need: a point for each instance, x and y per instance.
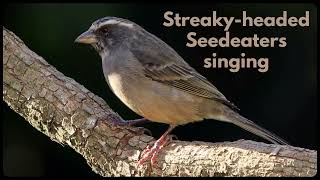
(107, 32)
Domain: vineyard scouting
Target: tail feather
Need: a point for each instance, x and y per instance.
(255, 129)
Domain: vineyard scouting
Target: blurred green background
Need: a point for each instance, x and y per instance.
(283, 100)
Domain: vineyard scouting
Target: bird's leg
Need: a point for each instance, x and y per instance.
(151, 152)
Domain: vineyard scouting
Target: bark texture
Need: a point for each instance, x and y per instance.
(69, 114)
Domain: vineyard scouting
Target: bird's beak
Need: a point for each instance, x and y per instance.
(87, 37)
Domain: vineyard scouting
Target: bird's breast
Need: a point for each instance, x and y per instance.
(121, 88)
(153, 100)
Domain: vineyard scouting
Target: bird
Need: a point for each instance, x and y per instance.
(155, 82)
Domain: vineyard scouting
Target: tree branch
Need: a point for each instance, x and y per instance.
(68, 113)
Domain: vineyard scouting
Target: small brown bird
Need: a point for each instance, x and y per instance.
(153, 80)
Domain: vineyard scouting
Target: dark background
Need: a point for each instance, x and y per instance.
(283, 100)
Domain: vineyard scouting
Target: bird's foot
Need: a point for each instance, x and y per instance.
(275, 151)
(152, 152)
(118, 121)
(130, 122)
(115, 119)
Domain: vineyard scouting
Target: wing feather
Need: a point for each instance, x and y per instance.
(162, 64)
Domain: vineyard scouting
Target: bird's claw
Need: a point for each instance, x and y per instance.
(152, 152)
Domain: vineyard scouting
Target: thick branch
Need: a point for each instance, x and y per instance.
(67, 112)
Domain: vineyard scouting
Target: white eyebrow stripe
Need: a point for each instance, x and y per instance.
(129, 25)
(113, 21)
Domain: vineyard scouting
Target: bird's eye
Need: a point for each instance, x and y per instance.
(104, 30)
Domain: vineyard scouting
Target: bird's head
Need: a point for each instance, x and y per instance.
(107, 33)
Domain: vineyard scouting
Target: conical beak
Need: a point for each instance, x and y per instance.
(87, 37)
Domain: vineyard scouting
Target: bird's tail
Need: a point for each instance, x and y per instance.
(250, 126)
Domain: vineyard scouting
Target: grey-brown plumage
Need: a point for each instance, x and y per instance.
(154, 81)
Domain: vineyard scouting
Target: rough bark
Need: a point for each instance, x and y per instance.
(68, 113)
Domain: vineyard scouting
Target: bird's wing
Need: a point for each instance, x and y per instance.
(162, 64)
